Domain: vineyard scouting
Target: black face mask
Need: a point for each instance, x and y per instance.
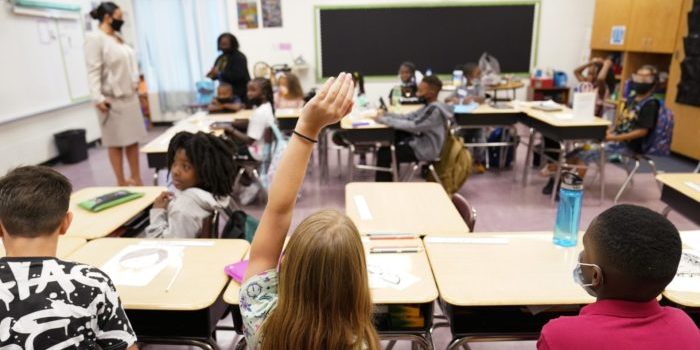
(642, 88)
(117, 24)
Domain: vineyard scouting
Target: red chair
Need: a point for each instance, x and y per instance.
(465, 209)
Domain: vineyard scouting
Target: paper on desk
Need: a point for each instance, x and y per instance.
(362, 207)
(467, 240)
(693, 185)
(138, 264)
(390, 271)
(688, 276)
(691, 239)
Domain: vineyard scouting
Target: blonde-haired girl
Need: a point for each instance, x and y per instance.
(320, 297)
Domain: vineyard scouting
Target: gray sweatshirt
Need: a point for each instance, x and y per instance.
(428, 127)
(184, 215)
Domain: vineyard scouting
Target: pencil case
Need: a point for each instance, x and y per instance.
(109, 200)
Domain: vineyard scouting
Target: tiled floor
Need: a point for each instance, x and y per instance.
(502, 205)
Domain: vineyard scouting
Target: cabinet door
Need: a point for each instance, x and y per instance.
(654, 25)
(608, 14)
(686, 132)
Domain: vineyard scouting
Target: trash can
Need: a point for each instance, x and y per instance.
(72, 146)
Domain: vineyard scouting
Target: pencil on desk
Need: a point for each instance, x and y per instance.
(172, 280)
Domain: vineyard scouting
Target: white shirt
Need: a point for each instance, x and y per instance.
(111, 65)
(261, 119)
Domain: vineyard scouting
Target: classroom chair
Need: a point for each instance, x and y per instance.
(210, 226)
(637, 158)
(465, 209)
(423, 165)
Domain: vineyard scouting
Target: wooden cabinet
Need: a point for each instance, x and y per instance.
(686, 132)
(608, 14)
(654, 25)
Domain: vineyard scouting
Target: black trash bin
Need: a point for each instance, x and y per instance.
(72, 146)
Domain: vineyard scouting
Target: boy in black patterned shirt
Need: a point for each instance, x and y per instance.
(46, 302)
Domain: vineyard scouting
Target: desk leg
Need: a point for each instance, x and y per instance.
(560, 165)
(415, 339)
(502, 151)
(601, 170)
(516, 143)
(323, 155)
(394, 164)
(155, 177)
(528, 155)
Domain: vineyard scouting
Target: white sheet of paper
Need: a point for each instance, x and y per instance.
(691, 239)
(688, 277)
(467, 240)
(693, 185)
(362, 207)
(390, 271)
(138, 264)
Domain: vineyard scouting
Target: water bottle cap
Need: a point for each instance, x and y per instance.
(571, 181)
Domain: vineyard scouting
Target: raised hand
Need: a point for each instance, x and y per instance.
(331, 104)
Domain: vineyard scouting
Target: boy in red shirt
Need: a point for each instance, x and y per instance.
(630, 254)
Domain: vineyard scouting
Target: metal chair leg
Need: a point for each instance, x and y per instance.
(627, 180)
(435, 174)
(237, 180)
(394, 163)
(654, 171)
(666, 211)
(351, 162)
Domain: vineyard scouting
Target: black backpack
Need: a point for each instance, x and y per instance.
(239, 225)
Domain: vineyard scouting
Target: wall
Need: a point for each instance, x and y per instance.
(564, 36)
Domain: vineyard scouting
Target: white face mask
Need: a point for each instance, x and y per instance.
(578, 276)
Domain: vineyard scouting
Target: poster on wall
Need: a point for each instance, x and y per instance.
(271, 13)
(247, 14)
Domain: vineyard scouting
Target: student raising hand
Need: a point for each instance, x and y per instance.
(332, 103)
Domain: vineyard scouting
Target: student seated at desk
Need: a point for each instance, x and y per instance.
(420, 135)
(315, 294)
(409, 77)
(631, 129)
(46, 302)
(202, 169)
(599, 73)
(251, 142)
(289, 93)
(225, 101)
(629, 255)
(473, 91)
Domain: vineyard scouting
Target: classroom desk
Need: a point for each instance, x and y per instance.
(688, 301)
(66, 246)
(91, 225)
(156, 150)
(287, 118)
(559, 127)
(679, 196)
(487, 282)
(187, 314)
(399, 314)
(420, 208)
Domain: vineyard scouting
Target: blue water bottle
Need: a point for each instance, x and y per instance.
(569, 211)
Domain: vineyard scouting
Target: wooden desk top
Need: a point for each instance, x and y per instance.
(197, 285)
(197, 122)
(423, 291)
(91, 225)
(287, 113)
(66, 246)
(506, 86)
(688, 299)
(678, 183)
(528, 270)
(364, 117)
(562, 118)
(421, 208)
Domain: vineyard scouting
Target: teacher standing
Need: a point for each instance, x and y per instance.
(113, 78)
(231, 66)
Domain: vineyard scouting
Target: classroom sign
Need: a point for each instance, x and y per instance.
(617, 35)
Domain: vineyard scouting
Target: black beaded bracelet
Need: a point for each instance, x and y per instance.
(305, 137)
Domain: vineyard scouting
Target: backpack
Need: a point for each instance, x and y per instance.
(658, 143)
(455, 164)
(239, 225)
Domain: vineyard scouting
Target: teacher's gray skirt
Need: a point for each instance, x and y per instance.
(123, 124)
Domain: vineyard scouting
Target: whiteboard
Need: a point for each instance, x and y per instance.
(42, 65)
